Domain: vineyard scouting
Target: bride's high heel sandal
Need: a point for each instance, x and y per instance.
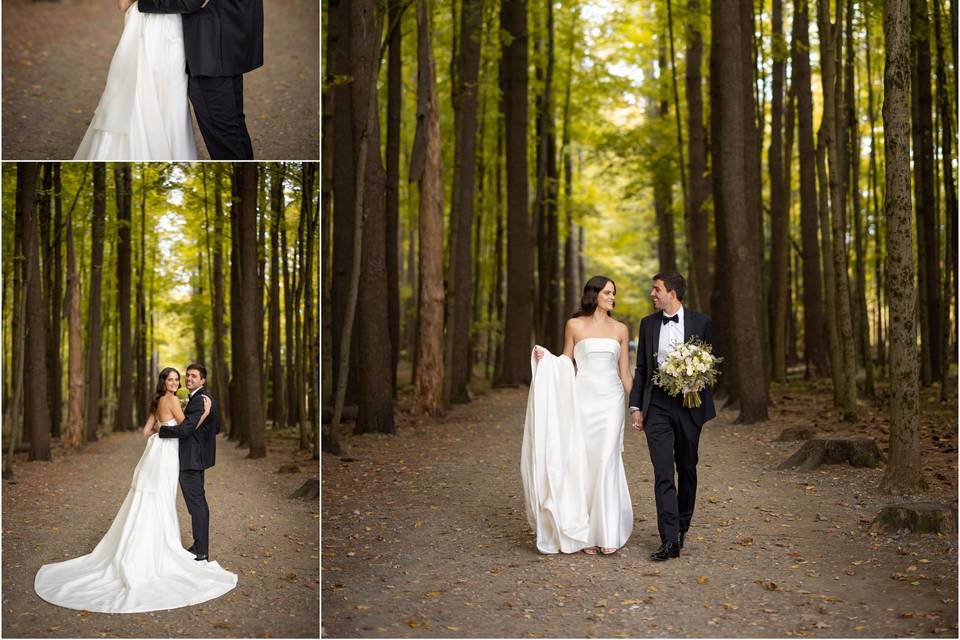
(591, 551)
(608, 550)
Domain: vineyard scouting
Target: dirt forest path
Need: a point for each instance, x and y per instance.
(55, 61)
(424, 535)
(60, 510)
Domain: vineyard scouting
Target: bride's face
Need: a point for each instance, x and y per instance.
(172, 382)
(606, 299)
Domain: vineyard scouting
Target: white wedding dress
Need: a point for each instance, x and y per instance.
(143, 113)
(573, 478)
(140, 564)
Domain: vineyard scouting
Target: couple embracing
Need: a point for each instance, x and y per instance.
(139, 564)
(574, 482)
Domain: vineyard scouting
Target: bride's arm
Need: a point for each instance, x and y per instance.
(175, 409)
(568, 340)
(148, 428)
(624, 364)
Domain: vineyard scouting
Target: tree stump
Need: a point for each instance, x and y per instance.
(858, 452)
(917, 517)
(795, 433)
(309, 490)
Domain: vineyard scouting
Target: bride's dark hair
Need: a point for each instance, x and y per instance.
(588, 302)
(162, 387)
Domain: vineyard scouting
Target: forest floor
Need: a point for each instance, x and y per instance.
(55, 60)
(424, 535)
(58, 510)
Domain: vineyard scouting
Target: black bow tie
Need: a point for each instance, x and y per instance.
(675, 318)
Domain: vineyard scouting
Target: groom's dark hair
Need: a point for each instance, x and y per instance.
(196, 366)
(673, 281)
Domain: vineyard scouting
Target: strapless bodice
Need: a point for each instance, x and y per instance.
(597, 355)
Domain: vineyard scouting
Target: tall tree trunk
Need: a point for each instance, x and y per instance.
(833, 138)
(125, 391)
(92, 404)
(221, 375)
(877, 215)
(662, 187)
(779, 212)
(278, 399)
(426, 168)
(697, 226)
(902, 474)
(853, 146)
(36, 414)
(344, 196)
(56, 307)
(395, 9)
(735, 113)
(238, 365)
(571, 285)
(815, 354)
(245, 212)
(142, 397)
(950, 192)
(928, 241)
(513, 84)
(73, 434)
(459, 317)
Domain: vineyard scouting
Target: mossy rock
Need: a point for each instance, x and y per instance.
(855, 451)
(795, 433)
(917, 517)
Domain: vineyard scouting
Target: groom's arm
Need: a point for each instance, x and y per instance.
(640, 374)
(187, 427)
(170, 6)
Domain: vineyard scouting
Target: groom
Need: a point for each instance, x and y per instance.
(223, 40)
(673, 431)
(198, 451)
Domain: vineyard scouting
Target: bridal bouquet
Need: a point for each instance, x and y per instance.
(688, 369)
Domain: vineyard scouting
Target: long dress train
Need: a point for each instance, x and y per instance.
(139, 564)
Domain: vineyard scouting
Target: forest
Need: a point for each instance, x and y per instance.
(112, 272)
(795, 160)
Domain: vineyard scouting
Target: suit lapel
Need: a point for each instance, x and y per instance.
(657, 325)
(687, 325)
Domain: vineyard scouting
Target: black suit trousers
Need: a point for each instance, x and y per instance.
(218, 105)
(191, 485)
(672, 438)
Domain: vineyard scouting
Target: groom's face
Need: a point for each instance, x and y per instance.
(662, 299)
(194, 381)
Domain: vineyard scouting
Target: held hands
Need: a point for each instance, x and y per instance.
(123, 5)
(637, 418)
(538, 353)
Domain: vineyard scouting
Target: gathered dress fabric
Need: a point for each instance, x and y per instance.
(574, 482)
(143, 113)
(139, 564)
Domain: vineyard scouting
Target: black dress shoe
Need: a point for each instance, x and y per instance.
(192, 550)
(666, 551)
(201, 556)
(683, 534)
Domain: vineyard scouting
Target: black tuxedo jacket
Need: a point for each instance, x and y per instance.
(198, 447)
(694, 324)
(224, 38)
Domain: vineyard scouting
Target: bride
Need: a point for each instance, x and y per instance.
(143, 113)
(139, 564)
(573, 477)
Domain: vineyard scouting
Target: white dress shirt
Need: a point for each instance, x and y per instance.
(671, 336)
(193, 393)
